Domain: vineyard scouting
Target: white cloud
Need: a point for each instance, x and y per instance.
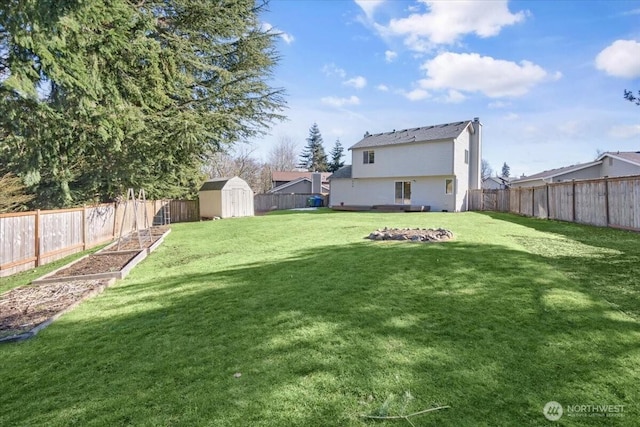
(454, 97)
(369, 6)
(357, 82)
(334, 101)
(624, 131)
(447, 21)
(288, 38)
(390, 55)
(570, 127)
(417, 94)
(471, 72)
(620, 59)
(333, 70)
(511, 116)
(382, 88)
(499, 104)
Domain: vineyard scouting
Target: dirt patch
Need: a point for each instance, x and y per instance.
(24, 308)
(425, 235)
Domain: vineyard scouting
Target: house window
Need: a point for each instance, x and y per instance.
(448, 186)
(368, 157)
(610, 161)
(403, 193)
(466, 157)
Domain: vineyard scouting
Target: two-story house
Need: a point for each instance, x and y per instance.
(430, 166)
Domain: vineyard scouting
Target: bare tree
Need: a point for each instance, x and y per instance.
(485, 169)
(240, 162)
(283, 156)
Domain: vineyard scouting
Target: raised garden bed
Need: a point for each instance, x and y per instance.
(24, 311)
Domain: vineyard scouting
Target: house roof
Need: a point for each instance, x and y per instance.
(632, 157)
(214, 184)
(498, 179)
(284, 186)
(552, 173)
(342, 173)
(293, 175)
(407, 136)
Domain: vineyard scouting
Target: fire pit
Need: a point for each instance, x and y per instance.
(423, 235)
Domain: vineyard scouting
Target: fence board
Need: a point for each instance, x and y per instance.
(613, 202)
(269, 202)
(59, 233)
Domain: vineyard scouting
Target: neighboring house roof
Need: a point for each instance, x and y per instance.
(498, 180)
(552, 173)
(342, 173)
(407, 136)
(294, 175)
(279, 188)
(214, 184)
(632, 157)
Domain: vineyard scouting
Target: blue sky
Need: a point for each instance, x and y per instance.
(546, 78)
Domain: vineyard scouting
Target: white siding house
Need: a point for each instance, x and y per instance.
(428, 166)
(226, 198)
(610, 164)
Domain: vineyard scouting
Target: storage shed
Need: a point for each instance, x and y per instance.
(225, 198)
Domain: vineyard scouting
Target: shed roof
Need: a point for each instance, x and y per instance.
(214, 184)
(407, 136)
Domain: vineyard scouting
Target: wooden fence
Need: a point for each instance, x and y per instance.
(279, 201)
(30, 239)
(605, 202)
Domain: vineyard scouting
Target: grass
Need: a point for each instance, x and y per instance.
(323, 326)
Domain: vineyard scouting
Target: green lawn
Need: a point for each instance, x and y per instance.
(324, 326)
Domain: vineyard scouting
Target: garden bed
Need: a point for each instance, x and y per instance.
(24, 311)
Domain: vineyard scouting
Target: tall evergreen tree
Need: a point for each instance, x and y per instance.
(313, 157)
(336, 157)
(103, 95)
(506, 170)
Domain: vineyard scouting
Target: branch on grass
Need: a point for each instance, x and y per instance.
(403, 417)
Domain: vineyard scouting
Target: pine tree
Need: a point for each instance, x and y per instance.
(336, 157)
(103, 95)
(313, 157)
(506, 170)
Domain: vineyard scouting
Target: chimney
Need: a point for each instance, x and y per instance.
(316, 183)
(475, 155)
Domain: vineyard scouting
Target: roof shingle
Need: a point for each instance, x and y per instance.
(407, 136)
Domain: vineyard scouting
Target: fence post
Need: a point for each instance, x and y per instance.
(606, 199)
(519, 200)
(37, 237)
(84, 227)
(573, 199)
(533, 202)
(547, 200)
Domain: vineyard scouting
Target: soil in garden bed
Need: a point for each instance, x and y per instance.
(113, 259)
(107, 262)
(24, 308)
